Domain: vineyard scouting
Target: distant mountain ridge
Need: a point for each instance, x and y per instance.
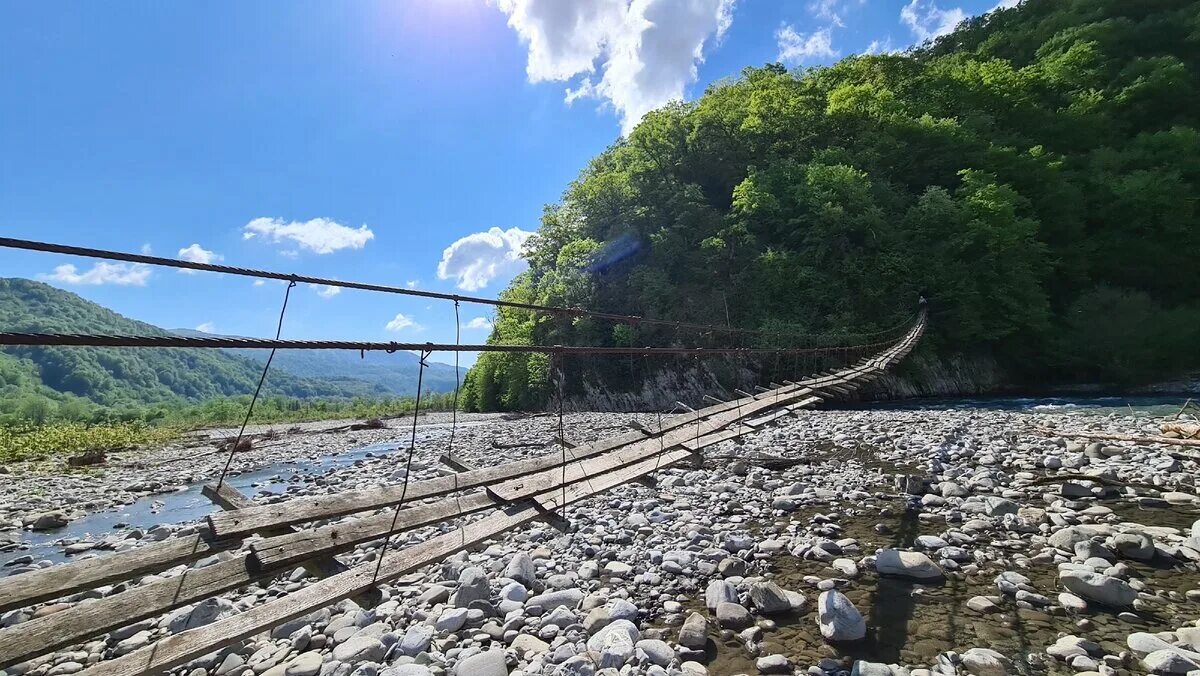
(395, 373)
(123, 377)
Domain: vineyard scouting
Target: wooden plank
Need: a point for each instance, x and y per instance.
(17, 591)
(182, 647)
(51, 632)
(228, 497)
(299, 510)
(287, 550)
(587, 487)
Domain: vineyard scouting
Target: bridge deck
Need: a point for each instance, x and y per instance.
(517, 493)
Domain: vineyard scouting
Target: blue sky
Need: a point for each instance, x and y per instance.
(410, 142)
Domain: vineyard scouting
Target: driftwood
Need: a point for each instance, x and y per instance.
(765, 461)
(521, 444)
(1137, 439)
(1108, 436)
(1185, 430)
(94, 456)
(1075, 476)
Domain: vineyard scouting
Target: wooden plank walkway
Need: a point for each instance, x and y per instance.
(516, 492)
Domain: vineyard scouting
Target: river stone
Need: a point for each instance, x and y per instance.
(472, 586)
(451, 619)
(359, 649)
(47, 521)
(906, 564)
(553, 599)
(1142, 643)
(733, 616)
(624, 627)
(406, 670)
(486, 663)
(1171, 661)
(205, 612)
(694, 632)
(656, 651)
(838, 619)
(1104, 589)
(306, 664)
(774, 664)
(768, 598)
(1066, 538)
(528, 643)
(416, 640)
(1137, 546)
(985, 662)
(521, 569)
(719, 591)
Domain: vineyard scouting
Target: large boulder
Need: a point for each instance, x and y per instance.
(552, 599)
(718, 592)
(694, 632)
(733, 616)
(1103, 589)
(838, 619)
(521, 569)
(486, 663)
(472, 586)
(623, 627)
(907, 564)
(768, 598)
(985, 662)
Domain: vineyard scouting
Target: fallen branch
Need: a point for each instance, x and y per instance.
(1075, 476)
(1137, 439)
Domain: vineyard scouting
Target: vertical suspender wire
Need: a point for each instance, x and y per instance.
(412, 444)
(454, 415)
(562, 439)
(257, 390)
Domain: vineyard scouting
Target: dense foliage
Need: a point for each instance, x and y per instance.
(1033, 173)
(39, 384)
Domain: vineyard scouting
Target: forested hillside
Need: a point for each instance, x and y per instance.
(1034, 174)
(34, 379)
(390, 374)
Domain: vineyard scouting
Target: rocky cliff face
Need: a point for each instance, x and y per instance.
(926, 376)
(661, 390)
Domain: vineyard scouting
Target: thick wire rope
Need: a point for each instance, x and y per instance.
(261, 379)
(47, 247)
(412, 445)
(454, 417)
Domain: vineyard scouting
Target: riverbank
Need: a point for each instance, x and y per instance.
(963, 540)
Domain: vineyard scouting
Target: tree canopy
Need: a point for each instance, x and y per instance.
(1034, 173)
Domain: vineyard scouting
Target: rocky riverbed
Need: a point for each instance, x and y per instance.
(918, 542)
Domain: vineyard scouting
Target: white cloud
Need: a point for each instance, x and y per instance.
(401, 322)
(412, 283)
(326, 291)
(478, 258)
(877, 47)
(259, 282)
(647, 50)
(478, 324)
(832, 10)
(799, 48)
(147, 249)
(198, 254)
(319, 235)
(1006, 4)
(207, 327)
(928, 21)
(121, 274)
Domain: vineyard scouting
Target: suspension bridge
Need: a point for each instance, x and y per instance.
(262, 542)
